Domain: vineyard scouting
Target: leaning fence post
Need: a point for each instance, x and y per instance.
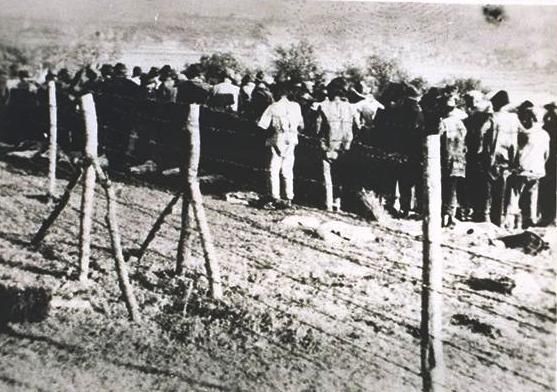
(432, 363)
(192, 195)
(113, 229)
(90, 116)
(53, 117)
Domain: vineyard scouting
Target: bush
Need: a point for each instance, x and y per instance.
(462, 85)
(385, 71)
(217, 64)
(296, 63)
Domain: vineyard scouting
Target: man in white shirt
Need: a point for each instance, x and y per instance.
(533, 153)
(336, 119)
(366, 108)
(227, 88)
(283, 119)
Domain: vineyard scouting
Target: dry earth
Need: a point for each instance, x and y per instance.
(299, 313)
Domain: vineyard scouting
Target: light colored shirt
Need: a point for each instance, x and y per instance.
(366, 109)
(285, 118)
(533, 152)
(227, 87)
(502, 139)
(453, 134)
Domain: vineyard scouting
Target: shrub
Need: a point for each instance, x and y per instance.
(217, 64)
(296, 63)
(384, 71)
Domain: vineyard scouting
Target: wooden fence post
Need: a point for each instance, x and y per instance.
(156, 227)
(432, 363)
(58, 208)
(192, 195)
(90, 116)
(184, 243)
(121, 267)
(53, 116)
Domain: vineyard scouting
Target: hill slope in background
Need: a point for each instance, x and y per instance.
(432, 40)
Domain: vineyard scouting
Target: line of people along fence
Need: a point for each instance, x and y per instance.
(135, 131)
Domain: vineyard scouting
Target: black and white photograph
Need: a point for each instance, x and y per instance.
(278, 195)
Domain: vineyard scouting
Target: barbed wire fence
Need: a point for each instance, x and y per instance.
(188, 196)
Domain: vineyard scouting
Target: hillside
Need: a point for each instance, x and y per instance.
(433, 40)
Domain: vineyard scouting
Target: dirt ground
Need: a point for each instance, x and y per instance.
(300, 313)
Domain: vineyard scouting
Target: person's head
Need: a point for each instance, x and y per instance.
(500, 99)
(281, 90)
(106, 71)
(193, 71)
(337, 88)
(149, 82)
(246, 79)
(23, 74)
(91, 74)
(120, 71)
(137, 71)
(526, 114)
(168, 79)
(550, 107)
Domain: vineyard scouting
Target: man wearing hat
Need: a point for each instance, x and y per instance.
(283, 119)
(548, 189)
(365, 105)
(336, 119)
(499, 148)
(532, 154)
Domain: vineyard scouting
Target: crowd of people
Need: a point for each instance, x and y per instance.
(498, 159)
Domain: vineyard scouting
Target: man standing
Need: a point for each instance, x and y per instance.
(411, 133)
(225, 94)
(335, 121)
(548, 191)
(453, 159)
(533, 152)
(500, 146)
(283, 119)
(476, 194)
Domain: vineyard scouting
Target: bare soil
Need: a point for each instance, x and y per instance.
(299, 313)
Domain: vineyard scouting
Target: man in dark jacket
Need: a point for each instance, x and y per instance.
(411, 128)
(119, 97)
(548, 189)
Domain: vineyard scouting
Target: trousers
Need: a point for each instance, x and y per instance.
(524, 197)
(281, 164)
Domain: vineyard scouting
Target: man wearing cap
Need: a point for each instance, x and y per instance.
(283, 119)
(335, 122)
(453, 159)
(532, 154)
(499, 148)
